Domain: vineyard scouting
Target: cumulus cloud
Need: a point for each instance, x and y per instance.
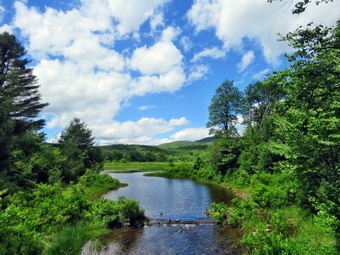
(161, 58)
(246, 60)
(129, 15)
(191, 134)
(212, 53)
(82, 75)
(178, 122)
(144, 129)
(256, 20)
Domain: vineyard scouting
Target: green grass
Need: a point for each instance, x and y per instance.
(135, 166)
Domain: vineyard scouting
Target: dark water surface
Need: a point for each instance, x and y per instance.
(171, 199)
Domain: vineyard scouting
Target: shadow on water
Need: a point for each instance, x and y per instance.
(170, 200)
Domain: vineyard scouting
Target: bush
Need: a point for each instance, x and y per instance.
(49, 214)
(90, 179)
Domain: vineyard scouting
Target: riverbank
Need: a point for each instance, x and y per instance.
(129, 167)
(266, 212)
(53, 220)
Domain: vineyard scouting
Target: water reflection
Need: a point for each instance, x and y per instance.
(174, 199)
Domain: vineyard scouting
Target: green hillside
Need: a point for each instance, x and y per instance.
(184, 145)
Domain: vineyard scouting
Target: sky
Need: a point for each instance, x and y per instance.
(144, 71)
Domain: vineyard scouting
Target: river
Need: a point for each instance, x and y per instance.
(170, 199)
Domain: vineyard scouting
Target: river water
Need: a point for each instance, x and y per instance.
(170, 199)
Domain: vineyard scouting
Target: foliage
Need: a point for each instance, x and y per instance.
(225, 104)
(77, 144)
(133, 153)
(20, 101)
(300, 6)
(31, 220)
(308, 119)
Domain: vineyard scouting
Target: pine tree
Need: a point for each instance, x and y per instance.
(19, 97)
(20, 101)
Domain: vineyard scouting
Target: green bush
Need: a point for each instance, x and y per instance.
(50, 215)
(219, 213)
(90, 179)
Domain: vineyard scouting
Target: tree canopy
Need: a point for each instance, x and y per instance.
(224, 107)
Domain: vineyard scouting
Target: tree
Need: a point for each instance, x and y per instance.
(77, 143)
(224, 107)
(260, 98)
(19, 96)
(78, 133)
(300, 6)
(309, 116)
(20, 101)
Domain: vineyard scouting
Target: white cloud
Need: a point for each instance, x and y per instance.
(145, 129)
(157, 21)
(247, 59)
(146, 107)
(178, 122)
(191, 134)
(257, 20)
(160, 58)
(129, 15)
(6, 28)
(186, 43)
(239, 124)
(197, 72)
(82, 75)
(170, 33)
(261, 74)
(212, 53)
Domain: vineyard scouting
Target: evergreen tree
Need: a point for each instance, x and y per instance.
(78, 133)
(20, 101)
(77, 144)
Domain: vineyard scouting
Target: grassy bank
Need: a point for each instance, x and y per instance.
(55, 220)
(267, 211)
(135, 166)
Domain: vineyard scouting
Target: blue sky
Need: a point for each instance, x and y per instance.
(144, 71)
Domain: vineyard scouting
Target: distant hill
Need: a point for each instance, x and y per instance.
(132, 147)
(186, 145)
(206, 140)
(176, 145)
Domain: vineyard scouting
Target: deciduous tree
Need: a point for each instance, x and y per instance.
(224, 107)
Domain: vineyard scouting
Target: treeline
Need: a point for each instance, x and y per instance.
(47, 192)
(134, 153)
(174, 152)
(287, 158)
